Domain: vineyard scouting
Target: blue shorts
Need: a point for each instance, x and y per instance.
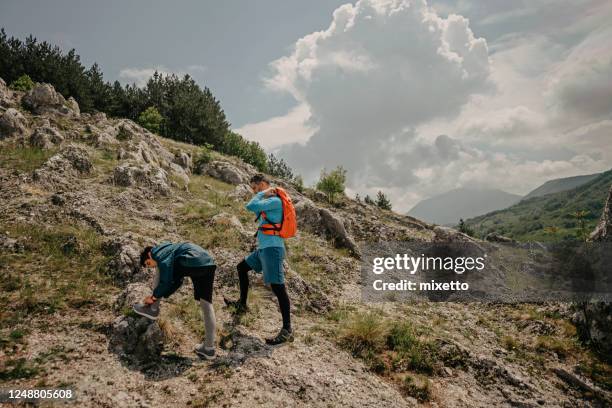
(270, 262)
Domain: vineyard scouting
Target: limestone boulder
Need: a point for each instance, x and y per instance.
(13, 124)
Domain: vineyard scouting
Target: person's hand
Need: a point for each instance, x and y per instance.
(149, 300)
(269, 192)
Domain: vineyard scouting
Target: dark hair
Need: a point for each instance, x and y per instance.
(258, 178)
(144, 255)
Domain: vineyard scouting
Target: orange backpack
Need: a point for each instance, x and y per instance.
(288, 225)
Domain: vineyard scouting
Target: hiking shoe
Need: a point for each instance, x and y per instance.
(284, 336)
(149, 311)
(205, 352)
(238, 306)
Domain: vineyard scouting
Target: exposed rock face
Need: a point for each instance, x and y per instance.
(72, 160)
(446, 234)
(128, 130)
(10, 244)
(322, 221)
(73, 105)
(44, 99)
(129, 175)
(12, 124)
(228, 220)
(493, 237)
(5, 95)
(603, 231)
(241, 192)
(594, 319)
(227, 172)
(126, 256)
(184, 160)
(135, 338)
(45, 137)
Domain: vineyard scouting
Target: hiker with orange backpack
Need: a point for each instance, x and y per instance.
(277, 221)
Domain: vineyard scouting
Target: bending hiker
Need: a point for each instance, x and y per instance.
(174, 262)
(276, 217)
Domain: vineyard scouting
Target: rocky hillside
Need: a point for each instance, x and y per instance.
(461, 203)
(81, 194)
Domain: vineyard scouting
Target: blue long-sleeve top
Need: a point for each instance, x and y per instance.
(167, 255)
(273, 207)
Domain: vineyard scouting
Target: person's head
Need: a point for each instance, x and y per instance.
(259, 182)
(146, 258)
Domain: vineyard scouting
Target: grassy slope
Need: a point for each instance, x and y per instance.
(398, 343)
(529, 219)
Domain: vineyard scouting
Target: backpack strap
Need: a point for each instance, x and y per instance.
(269, 226)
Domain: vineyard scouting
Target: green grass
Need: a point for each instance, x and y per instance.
(52, 273)
(14, 369)
(387, 346)
(416, 387)
(24, 159)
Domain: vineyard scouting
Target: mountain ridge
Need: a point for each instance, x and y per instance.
(559, 185)
(465, 202)
(564, 211)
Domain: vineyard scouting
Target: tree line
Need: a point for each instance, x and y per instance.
(186, 112)
(171, 106)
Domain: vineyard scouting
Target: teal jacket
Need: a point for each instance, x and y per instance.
(166, 254)
(273, 207)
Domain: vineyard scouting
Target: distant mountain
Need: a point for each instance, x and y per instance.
(561, 184)
(529, 219)
(447, 208)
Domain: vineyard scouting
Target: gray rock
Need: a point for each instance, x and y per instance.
(43, 98)
(136, 339)
(125, 253)
(184, 160)
(593, 320)
(45, 137)
(603, 231)
(493, 237)
(228, 220)
(6, 99)
(323, 222)
(225, 171)
(10, 244)
(447, 234)
(73, 105)
(72, 160)
(12, 124)
(241, 192)
(180, 173)
(130, 175)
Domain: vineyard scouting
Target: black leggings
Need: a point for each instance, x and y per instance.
(280, 290)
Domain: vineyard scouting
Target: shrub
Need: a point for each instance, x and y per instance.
(250, 152)
(23, 83)
(332, 183)
(463, 227)
(382, 201)
(151, 119)
(411, 351)
(279, 168)
(298, 183)
(417, 388)
(368, 200)
(204, 156)
(364, 334)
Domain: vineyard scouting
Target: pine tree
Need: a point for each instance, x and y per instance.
(382, 201)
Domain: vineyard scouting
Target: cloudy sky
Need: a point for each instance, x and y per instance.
(413, 98)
